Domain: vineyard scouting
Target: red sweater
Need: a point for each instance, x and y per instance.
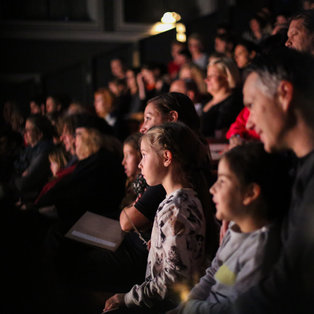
(239, 127)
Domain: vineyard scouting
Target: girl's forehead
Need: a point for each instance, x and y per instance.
(151, 108)
(128, 147)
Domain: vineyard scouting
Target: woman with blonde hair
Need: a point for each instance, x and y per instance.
(190, 71)
(223, 82)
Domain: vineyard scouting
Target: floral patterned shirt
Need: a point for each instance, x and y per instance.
(177, 249)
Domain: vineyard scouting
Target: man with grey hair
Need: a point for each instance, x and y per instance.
(301, 31)
(279, 91)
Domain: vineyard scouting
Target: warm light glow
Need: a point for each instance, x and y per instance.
(183, 290)
(181, 37)
(170, 18)
(180, 28)
(160, 27)
(168, 22)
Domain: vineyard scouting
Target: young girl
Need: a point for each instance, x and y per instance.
(135, 184)
(58, 159)
(251, 188)
(177, 247)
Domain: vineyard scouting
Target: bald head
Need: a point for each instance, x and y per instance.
(178, 86)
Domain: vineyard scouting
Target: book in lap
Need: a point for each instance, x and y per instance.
(97, 230)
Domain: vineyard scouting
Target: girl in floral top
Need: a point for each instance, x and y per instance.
(177, 250)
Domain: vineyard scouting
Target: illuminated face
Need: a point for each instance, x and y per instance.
(215, 79)
(51, 105)
(116, 68)
(227, 193)
(194, 45)
(299, 38)
(34, 108)
(81, 150)
(54, 167)
(241, 56)
(130, 160)
(101, 107)
(152, 117)
(30, 134)
(220, 45)
(151, 164)
(68, 140)
(266, 114)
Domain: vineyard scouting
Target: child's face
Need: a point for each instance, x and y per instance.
(227, 193)
(152, 117)
(151, 164)
(130, 160)
(54, 167)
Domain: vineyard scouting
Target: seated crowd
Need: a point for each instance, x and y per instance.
(233, 235)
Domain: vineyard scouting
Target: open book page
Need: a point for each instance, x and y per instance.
(97, 230)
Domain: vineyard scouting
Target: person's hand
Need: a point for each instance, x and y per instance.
(140, 79)
(114, 302)
(148, 245)
(235, 141)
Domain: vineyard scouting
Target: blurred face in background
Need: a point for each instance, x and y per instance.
(34, 108)
(31, 135)
(51, 105)
(216, 80)
(68, 140)
(299, 38)
(130, 160)
(102, 105)
(241, 56)
(117, 68)
(194, 45)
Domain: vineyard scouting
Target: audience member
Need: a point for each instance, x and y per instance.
(117, 67)
(12, 116)
(222, 81)
(53, 104)
(251, 192)
(301, 31)
(257, 29)
(224, 43)
(97, 178)
(32, 167)
(238, 132)
(58, 158)
(191, 71)
(169, 107)
(177, 249)
(244, 52)
(196, 48)
(189, 88)
(279, 94)
(174, 65)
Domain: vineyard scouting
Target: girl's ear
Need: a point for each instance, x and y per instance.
(252, 192)
(167, 158)
(173, 116)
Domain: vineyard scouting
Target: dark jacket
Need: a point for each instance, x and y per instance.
(97, 184)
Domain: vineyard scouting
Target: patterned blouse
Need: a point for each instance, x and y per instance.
(177, 249)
